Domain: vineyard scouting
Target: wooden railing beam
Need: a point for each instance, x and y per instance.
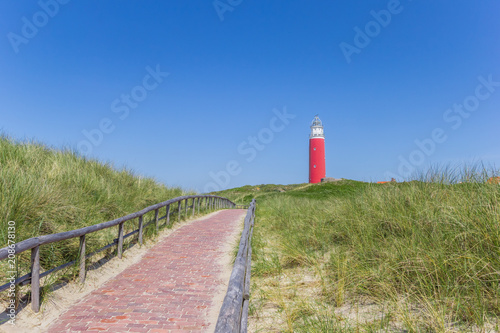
(233, 315)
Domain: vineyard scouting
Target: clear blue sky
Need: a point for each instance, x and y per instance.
(73, 66)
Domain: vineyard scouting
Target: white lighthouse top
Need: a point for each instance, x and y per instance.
(317, 128)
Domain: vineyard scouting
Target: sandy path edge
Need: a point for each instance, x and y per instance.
(225, 261)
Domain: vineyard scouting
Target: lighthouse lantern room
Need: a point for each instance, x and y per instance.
(317, 169)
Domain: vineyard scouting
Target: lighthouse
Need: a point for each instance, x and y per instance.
(317, 169)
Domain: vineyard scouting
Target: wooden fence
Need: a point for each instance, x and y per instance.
(211, 203)
(233, 315)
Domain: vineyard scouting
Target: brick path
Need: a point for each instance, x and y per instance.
(170, 290)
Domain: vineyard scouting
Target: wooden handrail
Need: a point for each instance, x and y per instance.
(47, 239)
(233, 315)
(33, 244)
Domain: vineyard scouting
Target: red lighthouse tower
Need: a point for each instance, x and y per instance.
(317, 169)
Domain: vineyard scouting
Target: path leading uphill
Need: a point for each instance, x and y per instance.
(171, 289)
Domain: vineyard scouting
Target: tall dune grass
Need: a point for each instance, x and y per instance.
(47, 191)
(357, 257)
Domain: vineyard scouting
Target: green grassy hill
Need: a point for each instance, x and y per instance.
(47, 191)
(360, 257)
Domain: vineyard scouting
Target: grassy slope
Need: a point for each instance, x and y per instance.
(47, 191)
(352, 256)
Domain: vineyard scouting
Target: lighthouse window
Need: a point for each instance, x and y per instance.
(315, 165)
(314, 148)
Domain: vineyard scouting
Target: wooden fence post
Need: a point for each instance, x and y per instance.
(16, 296)
(186, 204)
(167, 213)
(157, 211)
(199, 204)
(82, 259)
(119, 249)
(194, 206)
(179, 207)
(35, 279)
(140, 229)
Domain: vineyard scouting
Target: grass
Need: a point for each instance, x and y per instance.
(47, 191)
(419, 256)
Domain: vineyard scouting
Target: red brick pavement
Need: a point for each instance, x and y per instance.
(170, 290)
